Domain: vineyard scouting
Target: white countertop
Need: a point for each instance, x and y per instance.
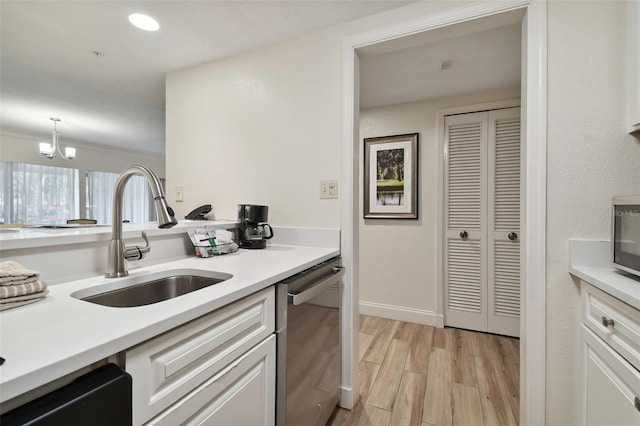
(590, 262)
(49, 339)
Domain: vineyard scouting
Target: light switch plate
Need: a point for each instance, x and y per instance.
(328, 189)
(179, 194)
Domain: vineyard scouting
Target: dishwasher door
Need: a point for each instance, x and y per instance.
(312, 371)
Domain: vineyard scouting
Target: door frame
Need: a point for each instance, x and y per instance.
(533, 274)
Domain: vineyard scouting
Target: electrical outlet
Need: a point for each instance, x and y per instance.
(179, 194)
(328, 189)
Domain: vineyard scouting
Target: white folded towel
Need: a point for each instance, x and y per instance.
(14, 302)
(12, 273)
(11, 281)
(16, 290)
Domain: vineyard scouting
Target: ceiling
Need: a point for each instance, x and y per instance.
(477, 61)
(48, 68)
(117, 98)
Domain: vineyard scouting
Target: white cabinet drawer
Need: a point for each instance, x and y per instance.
(612, 386)
(617, 323)
(241, 394)
(166, 368)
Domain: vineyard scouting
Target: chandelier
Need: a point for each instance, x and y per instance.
(51, 150)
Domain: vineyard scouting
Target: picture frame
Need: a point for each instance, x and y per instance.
(391, 177)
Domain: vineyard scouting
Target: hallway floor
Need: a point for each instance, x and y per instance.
(412, 374)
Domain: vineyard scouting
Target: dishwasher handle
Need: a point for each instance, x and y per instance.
(310, 293)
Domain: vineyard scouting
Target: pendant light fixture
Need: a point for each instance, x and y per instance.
(50, 151)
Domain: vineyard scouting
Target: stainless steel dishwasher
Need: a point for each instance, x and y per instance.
(308, 345)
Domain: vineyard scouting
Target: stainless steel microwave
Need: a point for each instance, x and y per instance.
(625, 236)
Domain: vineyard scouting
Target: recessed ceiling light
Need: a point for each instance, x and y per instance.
(144, 22)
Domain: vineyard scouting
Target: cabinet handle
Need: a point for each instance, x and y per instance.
(464, 235)
(512, 236)
(636, 402)
(607, 322)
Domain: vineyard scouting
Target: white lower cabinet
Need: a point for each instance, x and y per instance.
(218, 367)
(611, 380)
(612, 386)
(242, 394)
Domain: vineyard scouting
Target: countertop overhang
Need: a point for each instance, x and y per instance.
(52, 338)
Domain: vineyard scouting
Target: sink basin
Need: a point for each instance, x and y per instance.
(152, 290)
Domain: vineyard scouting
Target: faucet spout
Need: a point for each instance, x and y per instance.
(117, 249)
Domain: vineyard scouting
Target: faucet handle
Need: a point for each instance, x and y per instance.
(136, 252)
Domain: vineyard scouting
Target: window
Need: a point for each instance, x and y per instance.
(34, 194)
(137, 204)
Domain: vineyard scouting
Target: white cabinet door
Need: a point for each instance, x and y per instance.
(168, 367)
(242, 394)
(482, 249)
(465, 258)
(503, 274)
(612, 386)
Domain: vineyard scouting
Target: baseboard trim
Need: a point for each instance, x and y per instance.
(401, 313)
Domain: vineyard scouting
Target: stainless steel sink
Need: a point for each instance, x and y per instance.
(152, 291)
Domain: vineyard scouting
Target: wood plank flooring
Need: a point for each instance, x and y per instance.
(411, 374)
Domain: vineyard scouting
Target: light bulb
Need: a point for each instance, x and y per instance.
(70, 153)
(46, 149)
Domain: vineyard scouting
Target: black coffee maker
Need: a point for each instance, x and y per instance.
(253, 231)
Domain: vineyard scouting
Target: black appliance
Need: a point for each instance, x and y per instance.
(99, 398)
(199, 212)
(253, 231)
(626, 233)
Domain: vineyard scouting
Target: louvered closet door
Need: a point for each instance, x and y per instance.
(504, 222)
(465, 257)
(482, 248)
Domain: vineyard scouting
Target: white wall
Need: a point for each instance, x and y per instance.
(279, 107)
(264, 127)
(261, 128)
(398, 258)
(590, 159)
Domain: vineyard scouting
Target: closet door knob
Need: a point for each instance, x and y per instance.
(464, 235)
(607, 322)
(512, 236)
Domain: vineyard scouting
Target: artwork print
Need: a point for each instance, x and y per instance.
(390, 177)
(390, 181)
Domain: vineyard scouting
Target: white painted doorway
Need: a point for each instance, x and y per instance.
(534, 102)
(482, 221)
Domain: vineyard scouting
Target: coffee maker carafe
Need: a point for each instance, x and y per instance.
(253, 229)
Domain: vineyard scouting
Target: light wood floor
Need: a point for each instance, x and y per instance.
(412, 374)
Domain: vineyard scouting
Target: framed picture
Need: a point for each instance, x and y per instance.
(391, 177)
